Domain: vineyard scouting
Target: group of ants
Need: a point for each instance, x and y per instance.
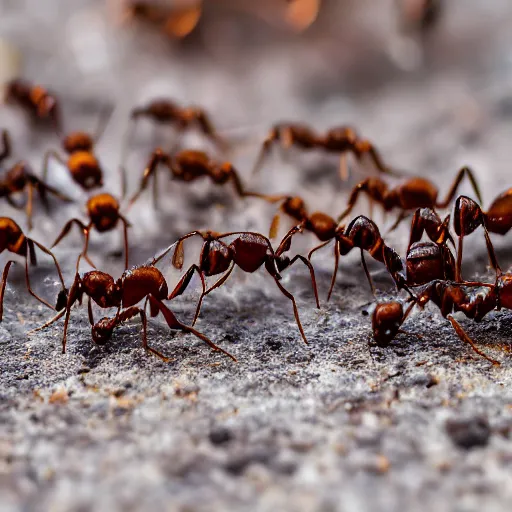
(429, 273)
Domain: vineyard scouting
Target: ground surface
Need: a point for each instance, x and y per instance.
(336, 425)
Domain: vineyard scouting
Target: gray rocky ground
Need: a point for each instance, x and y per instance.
(335, 425)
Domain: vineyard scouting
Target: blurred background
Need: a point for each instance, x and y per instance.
(427, 82)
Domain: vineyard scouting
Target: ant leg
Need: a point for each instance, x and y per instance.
(87, 234)
(335, 272)
(308, 264)
(401, 217)
(176, 244)
(174, 323)
(464, 337)
(67, 228)
(183, 285)
(126, 225)
(30, 198)
(74, 294)
(352, 200)
(46, 162)
(288, 295)
(363, 261)
(42, 189)
(217, 284)
(89, 311)
(274, 226)
(206, 126)
(492, 255)
(458, 265)
(57, 266)
(366, 147)
(103, 120)
(269, 141)
(343, 167)
(6, 143)
(322, 245)
(465, 171)
(3, 285)
(58, 316)
(34, 294)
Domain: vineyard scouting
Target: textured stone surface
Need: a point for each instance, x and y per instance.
(335, 425)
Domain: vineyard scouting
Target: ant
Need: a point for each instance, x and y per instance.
(419, 15)
(343, 139)
(414, 193)
(187, 166)
(468, 216)
(35, 100)
(21, 178)
(104, 215)
(474, 299)
(144, 282)
(249, 251)
(430, 260)
(14, 241)
(82, 164)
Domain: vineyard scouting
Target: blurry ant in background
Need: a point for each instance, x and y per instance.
(37, 101)
(104, 215)
(83, 166)
(249, 251)
(413, 193)
(14, 241)
(136, 284)
(468, 216)
(419, 16)
(20, 178)
(188, 166)
(342, 140)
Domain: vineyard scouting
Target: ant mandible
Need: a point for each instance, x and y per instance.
(82, 164)
(188, 166)
(14, 241)
(104, 215)
(136, 284)
(468, 216)
(342, 139)
(474, 299)
(21, 178)
(37, 101)
(412, 194)
(249, 251)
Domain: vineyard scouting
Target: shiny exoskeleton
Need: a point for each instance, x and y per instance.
(36, 100)
(411, 194)
(190, 165)
(135, 285)
(249, 251)
(14, 241)
(104, 216)
(339, 140)
(468, 216)
(474, 299)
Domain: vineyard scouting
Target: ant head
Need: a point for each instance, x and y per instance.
(46, 103)
(322, 225)
(77, 141)
(62, 299)
(104, 211)
(101, 332)
(295, 207)
(467, 216)
(386, 321)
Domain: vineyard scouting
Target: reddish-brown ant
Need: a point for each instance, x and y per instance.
(343, 139)
(34, 99)
(468, 216)
(474, 299)
(20, 178)
(249, 251)
(136, 284)
(14, 241)
(419, 15)
(412, 194)
(430, 260)
(104, 215)
(82, 164)
(190, 165)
